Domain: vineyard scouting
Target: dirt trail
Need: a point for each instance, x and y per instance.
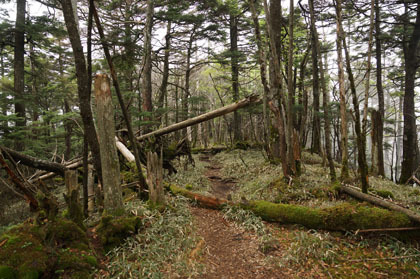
(228, 251)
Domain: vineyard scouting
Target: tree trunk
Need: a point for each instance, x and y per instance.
(291, 90)
(201, 118)
(360, 136)
(327, 119)
(343, 109)
(163, 91)
(155, 178)
(83, 85)
(19, 71)
(316, 126)
(380, 90)
(147, 70)
(234, 54)
(113, 203)
(410, 131)
(35, 162)
(263, 70)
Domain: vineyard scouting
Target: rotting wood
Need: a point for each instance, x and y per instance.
(253, 99)
(72, 165)
(382, 203)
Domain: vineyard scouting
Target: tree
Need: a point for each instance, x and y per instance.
(410, 50)
(83, 86)
(19, 71)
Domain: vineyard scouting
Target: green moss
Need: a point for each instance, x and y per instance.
(113, 230)
(384, 194)
(22, 252)
(188, 187)
(66, 233)
(345, 216)
(6, 272)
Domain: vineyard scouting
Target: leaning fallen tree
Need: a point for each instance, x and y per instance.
(345, 216)
(253, 99)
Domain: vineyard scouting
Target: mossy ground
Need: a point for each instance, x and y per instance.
(56, 249)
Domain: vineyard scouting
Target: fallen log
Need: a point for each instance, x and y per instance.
(204, 201)
(73, 165)
(380, 202)
(35, 162)
(253, 99)
(342, 217)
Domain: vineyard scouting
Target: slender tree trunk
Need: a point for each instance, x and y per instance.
(147, 70)
(343, 110)
(163, 91)
(380, 90)
(360, 136)
(325, 104)
(263, 71)
(316, 126)
(83, 85)
(234, 52)
(113, 203)
(410, 131)
(291, 89)
(19, 71)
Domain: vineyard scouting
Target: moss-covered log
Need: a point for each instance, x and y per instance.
(345, 216)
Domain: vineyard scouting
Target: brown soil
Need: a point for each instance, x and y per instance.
(228, 251)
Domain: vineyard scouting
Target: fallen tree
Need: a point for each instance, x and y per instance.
(380, 202)
(253, 99)
(345, 216)
(35, 162)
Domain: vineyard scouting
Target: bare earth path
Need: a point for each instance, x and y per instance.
(228, 251)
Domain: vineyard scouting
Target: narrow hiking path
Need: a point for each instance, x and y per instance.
(227, 250)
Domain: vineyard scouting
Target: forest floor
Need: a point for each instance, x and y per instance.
(234, 244)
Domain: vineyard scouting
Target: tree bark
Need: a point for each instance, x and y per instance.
(410, 131)
(380, 90)
(360, 136)
(147, 70)
(343, 109)
(19, 71)
(316, 126)
(201, 118)
(163, 91)
(155, 178)
(113, 203)
(234, 56)
(327, 119)
(263, 71)
(83, 85)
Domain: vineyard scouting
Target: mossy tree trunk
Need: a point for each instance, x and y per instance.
(113, 203)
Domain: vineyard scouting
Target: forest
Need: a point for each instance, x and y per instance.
(209, 139)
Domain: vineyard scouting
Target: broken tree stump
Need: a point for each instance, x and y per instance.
(113, 202)
(75, 212)
(155, 178)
